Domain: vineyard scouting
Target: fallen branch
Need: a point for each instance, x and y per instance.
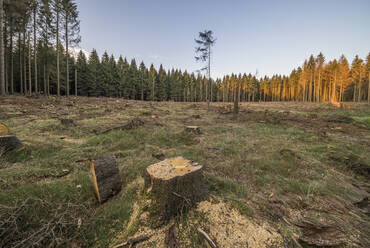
(205, 235)
(132, 241)
(129, 125)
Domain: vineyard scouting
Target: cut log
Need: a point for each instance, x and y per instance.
(174, 185)
(193, 129)
(4, 130)
(106, 179)
(9, 143)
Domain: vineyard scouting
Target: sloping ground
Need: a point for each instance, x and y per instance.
(279, 175)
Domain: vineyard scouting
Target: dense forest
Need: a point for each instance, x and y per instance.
(38, 34)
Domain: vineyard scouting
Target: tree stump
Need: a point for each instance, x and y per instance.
(67, 122)
(9, 143)
(174, 185)
(106, 179)
(4, 130)
(193, 129)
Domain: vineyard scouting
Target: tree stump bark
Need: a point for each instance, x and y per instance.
(106, 179)
(9, 143)
(174, 185)
(4, 130)
(193, 129)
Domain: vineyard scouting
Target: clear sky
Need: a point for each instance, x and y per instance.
(271, 36)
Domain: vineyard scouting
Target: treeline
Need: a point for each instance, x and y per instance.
(37, 35)
(315, 81)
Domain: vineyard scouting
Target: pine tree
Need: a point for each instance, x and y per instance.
(203, 51)
(57, 10)
(72, 30)
(94, 75)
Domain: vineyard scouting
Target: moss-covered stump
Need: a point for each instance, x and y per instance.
(173, 186)
(106, 179)
(9, 143)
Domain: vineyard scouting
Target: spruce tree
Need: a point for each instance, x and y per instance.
(72, 30)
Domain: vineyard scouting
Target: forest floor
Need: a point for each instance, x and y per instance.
(279, 174)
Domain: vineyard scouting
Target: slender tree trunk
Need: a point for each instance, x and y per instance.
(354, 92)
(2, 64)
(334, 88)
(142, 88)
(44, 79)
(76, 81)
(20, 63)
(67, 55)
(368, 90)
(153, 89)
(11, 63)
(209, 74)
(359, 88)
(35, 49)
(57, 33)
(310, 89)
(29, 65)
(319, 87)
(236, 100)
(6, 62)
(24, 63)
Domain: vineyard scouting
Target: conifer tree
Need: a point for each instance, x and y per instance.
(72, 31)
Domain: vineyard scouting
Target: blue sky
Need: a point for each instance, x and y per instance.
(272, 36)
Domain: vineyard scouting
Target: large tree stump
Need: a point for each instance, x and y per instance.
(174, 185)
(106, 179)
(4, 130)
(9, 143)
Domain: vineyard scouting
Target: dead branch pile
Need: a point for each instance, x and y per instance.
(39, 223)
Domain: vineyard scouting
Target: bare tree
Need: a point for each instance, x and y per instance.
(203, 54)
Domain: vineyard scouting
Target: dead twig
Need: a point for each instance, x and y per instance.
(131, 241)
(205, 235)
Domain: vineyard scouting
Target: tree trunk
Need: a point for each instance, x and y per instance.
(153, 88)
(334, 88)
(2, 64)
(24, 63)
(236, 100)
(67, 56)
(11, 62)
(29, 65)
(20, 63)
(359, 88)
(44, 79)
(106, 178)
(57, 33)
(35, 49)
(76, 81)
(354, 92)
(368, 90)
